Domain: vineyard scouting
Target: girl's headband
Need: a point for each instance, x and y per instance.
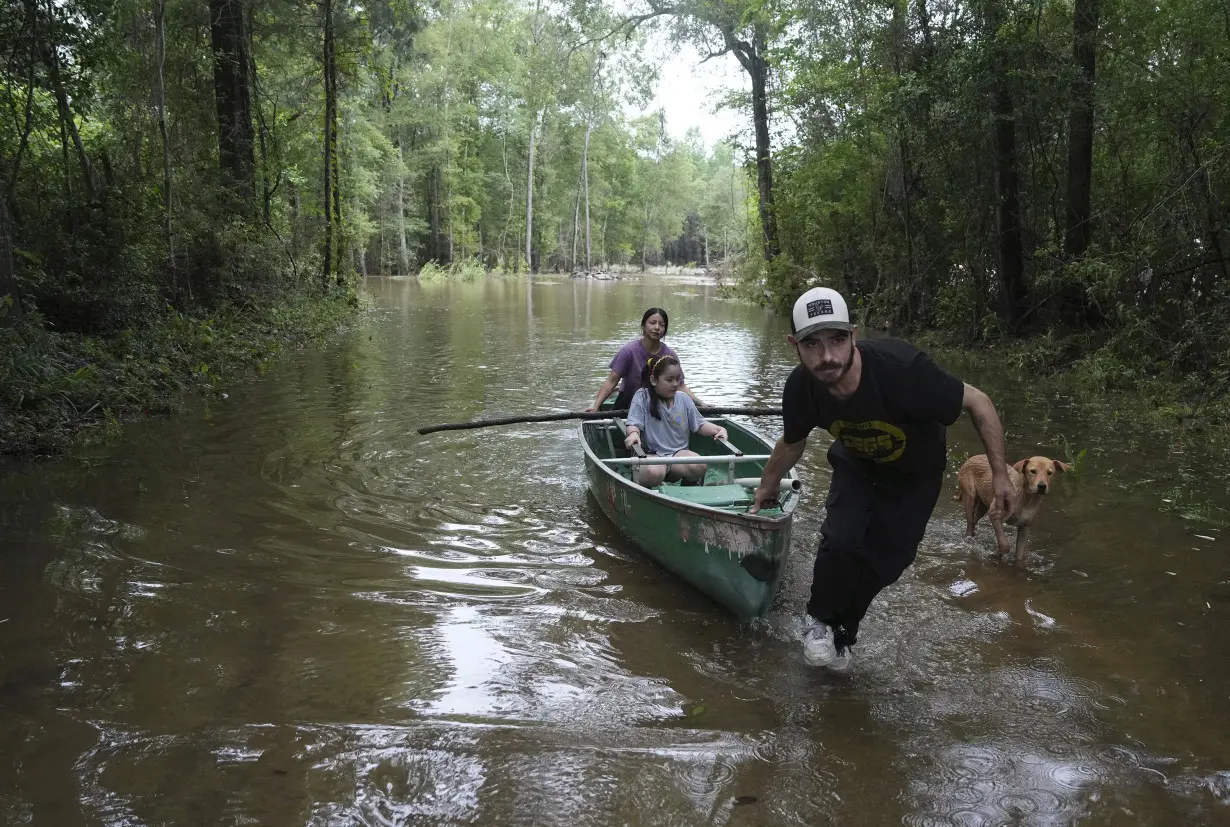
(653, 361)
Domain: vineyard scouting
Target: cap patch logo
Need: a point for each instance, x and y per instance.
(820, 307)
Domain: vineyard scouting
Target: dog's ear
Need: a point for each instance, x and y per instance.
(1062, 467)
(1020, 466)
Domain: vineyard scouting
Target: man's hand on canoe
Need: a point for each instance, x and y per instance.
(767, 492)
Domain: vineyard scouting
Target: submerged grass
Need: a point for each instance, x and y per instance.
(57, 387)
(466, 270)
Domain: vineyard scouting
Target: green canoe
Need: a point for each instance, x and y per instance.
(702, 534)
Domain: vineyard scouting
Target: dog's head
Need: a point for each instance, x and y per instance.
(1037, 473)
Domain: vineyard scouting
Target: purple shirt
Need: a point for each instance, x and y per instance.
(630, 363)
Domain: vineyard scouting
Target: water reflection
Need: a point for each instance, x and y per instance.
(289, 608)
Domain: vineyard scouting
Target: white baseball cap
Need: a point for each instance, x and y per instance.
(820, 308)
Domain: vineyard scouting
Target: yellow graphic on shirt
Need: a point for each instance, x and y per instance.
(874, 440)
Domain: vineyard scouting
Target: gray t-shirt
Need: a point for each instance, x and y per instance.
(668, 435)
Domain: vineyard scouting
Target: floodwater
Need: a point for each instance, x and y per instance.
(286, 607)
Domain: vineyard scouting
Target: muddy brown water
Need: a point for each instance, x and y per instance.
(286, 607)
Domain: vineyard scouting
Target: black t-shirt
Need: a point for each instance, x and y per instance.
(894, 424)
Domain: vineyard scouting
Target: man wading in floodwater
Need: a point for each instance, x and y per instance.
(887, 405)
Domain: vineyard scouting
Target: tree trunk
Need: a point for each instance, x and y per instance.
(10, 300)
(160, 92)
(899, 43)
(1008, 212)
(14, 173)
(512, 191)
(267, 188)
(757, 67)
(403, 249)
(383, 253)
(1080, 129)
(68, 124)
(576, 221)
(339, 241)
(529, 196)
(924, 27)
(585, 181)
(229, 41)
(605, 216)
(333, 252)
(296, 216)
(645, 242)
(439, 244)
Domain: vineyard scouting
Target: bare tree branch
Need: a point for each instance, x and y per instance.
(741, 48)
(629, 25)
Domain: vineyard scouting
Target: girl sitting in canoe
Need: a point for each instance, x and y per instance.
(666, 418)
(628, 366)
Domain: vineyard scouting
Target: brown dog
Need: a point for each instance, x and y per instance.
(1031, 477)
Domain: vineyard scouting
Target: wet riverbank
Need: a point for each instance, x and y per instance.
(57, 389)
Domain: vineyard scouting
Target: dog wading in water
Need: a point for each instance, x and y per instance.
(887, 405)
(1031, 478)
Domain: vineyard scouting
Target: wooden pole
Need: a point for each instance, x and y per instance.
(606, 414)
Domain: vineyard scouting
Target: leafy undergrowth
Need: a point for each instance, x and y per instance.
(57, 387)
(1151, 394)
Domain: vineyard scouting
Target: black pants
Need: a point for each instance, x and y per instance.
(623, 399)
(870, 533)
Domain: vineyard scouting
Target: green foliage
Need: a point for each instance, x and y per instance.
(52, 384)
(111, 220)
(465, 271)
(888, 187)
(1075, 459)
(433, 272)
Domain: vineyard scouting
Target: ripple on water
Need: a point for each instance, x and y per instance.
(398, 781)
(479, 553)
(1052, 693)
(534, 663)
(975, 784)
(702, 778)
(926, 820)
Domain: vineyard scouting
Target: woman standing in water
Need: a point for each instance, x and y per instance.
(628, 366)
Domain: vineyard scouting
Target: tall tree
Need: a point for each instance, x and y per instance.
(1011, 260)
(10, 301)
(332, 202)
(741, 28)
(160, 102)
(1080, 128)
(229, 39)
(52, 59)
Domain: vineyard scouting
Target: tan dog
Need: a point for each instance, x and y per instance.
(1031, 477)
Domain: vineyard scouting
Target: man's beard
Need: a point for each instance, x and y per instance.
(845, 368)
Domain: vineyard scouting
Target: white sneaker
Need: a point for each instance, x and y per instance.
(843, 661)
(818, 648)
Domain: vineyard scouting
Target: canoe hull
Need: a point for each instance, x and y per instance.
(734, 558)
